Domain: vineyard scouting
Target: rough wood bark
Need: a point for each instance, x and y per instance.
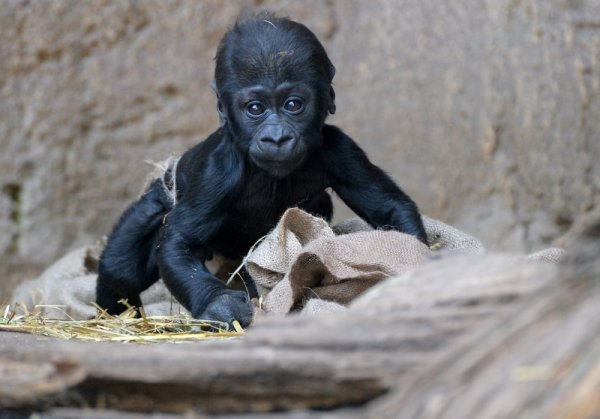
(493, 336)
(390, 335)
(543, 360)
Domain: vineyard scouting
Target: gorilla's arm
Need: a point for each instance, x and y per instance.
(187, 231)
(367, 189)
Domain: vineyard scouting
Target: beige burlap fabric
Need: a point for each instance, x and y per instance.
(440, 235)
(67, 289)
(159, 172)
(302, 264)
(271, 259)
(340, 268)
(553, 254)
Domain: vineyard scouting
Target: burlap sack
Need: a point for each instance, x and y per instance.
(271, 259)
(340, 268)
(302, 263)
(67, 289)
(553, 254)
(441, 236)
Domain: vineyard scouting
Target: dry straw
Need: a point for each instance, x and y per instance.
(126, 327)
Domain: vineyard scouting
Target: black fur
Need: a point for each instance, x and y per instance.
(233, 187)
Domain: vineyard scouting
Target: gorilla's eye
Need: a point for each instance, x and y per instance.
(255, 109)
(293, 105)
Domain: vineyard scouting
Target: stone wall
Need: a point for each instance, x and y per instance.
(486, 112)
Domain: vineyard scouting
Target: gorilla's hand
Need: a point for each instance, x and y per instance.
(228, 306)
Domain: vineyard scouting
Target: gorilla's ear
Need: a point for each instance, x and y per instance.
(220, 110)
(331, 69)
(331, 108)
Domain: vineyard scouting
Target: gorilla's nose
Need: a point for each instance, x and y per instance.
(276, 140)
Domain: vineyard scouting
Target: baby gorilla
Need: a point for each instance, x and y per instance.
(273, 151)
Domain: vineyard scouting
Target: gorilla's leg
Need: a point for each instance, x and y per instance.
(128, 263)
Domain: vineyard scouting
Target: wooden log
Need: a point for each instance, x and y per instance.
(542, 360)
(300, 362)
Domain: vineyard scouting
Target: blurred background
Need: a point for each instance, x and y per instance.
(486, 112)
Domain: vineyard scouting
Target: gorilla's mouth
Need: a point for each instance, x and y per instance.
(277, 166)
